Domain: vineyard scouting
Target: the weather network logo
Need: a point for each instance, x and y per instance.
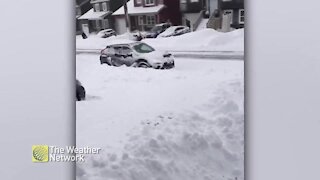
(40, 153)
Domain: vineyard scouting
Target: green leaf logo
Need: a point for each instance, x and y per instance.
(40, 153)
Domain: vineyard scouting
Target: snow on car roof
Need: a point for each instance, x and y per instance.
(106, 30)
(171, 30)
(138, 10)
(175, 27)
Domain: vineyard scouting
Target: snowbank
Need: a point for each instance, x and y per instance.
(202, 40)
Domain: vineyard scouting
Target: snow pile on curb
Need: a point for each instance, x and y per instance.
(202, 40)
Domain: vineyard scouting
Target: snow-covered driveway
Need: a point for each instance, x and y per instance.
(180, 124)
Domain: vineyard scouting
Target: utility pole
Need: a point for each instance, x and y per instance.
(126, 15)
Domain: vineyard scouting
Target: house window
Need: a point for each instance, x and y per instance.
(105, 6)
(229, 12)
(96, 7)
(241, 16)
(147, 20)
(149, 2)
(139, 2)
(151, 20)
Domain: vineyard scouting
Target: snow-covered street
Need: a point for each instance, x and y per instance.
(186, 123)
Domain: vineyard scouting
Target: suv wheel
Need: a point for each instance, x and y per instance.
(143, 64)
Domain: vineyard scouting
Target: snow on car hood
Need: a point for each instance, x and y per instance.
(154, 57)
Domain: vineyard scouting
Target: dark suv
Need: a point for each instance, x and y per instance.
(157, 29)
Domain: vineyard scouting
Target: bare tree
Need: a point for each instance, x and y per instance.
(126, 15)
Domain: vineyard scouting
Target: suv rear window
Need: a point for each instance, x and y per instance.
(126, 50)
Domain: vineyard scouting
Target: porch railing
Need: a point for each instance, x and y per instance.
(198, 21)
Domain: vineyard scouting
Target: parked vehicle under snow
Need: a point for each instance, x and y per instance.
(136, 54)
(175, 31)
(106, 33)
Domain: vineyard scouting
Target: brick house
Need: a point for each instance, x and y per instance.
(99, 16)
(144, 14)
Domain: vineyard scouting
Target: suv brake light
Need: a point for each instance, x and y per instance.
(103, 51)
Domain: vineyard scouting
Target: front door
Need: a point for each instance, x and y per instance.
(85, 28)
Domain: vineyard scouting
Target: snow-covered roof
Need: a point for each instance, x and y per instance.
(91, 15)
(138, 10)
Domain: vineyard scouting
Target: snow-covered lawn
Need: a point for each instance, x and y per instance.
(186, 123)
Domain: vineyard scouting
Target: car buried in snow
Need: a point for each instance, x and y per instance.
(106, 33)
(175, 31)
(157, 29)
(136, 54)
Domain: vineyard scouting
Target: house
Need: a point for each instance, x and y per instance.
(192, 12)
(99, 16)
(144, 14)
(235, 8)
(82, 6)
(230, 14)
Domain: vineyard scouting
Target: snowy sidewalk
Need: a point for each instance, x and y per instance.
(230, 55)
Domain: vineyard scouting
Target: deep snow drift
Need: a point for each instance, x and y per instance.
(180, 124)
(202, 40)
